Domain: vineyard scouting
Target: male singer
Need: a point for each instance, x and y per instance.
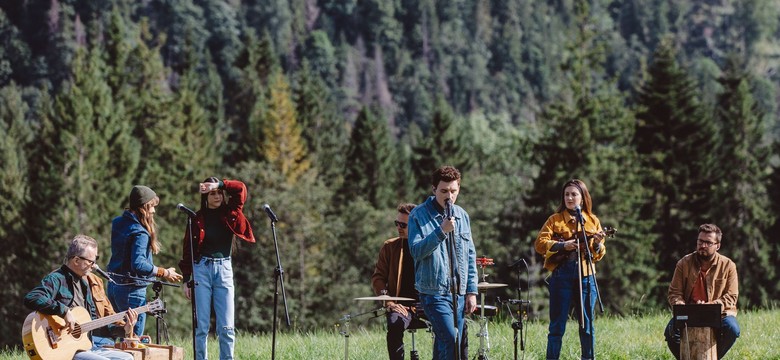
(431, 237)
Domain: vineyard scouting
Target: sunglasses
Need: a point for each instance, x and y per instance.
(401, 225)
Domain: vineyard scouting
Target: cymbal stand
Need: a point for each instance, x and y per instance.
(484, 337)
(344, 324)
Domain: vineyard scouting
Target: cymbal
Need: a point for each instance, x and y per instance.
(487, 285)
(385, 298)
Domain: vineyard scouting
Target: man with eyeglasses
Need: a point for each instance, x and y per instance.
(706, 277)
(67, 287)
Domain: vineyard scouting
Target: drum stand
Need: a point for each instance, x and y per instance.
(482, 287)
(344, 324)
(484, 338)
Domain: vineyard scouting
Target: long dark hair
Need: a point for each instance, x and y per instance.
(204, 204)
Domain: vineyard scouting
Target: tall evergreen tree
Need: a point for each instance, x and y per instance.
(93, 154)
(246, 101)
(284, 148)
(674, 139)
(743, 207)
(14, 200)
(323, 130)
(370, 162)
(446, 143)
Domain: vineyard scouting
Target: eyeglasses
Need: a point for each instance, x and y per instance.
(401, 225)
(91, 262)
(705, 243)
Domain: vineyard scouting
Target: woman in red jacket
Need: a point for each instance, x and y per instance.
(219, 220)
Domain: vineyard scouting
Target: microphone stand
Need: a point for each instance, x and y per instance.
(454, 278)
(517, 323)
(591, 267)
(278, 279)
(192, 284)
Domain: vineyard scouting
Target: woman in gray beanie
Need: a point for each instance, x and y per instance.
(133, 243)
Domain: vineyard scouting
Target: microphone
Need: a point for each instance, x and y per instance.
(517, 263)
(270, 213)
(102, 273)
(186, 210)
(448, 208)
(578, 211)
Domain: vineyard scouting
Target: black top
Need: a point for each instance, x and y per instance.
(218, 239)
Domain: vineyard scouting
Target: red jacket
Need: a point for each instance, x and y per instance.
(233, 217)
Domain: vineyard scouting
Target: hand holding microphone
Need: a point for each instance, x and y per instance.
(448, 225)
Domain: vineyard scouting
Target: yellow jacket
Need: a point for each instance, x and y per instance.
(563, 226)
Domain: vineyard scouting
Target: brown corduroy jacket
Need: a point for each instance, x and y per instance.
(722, 283)
(387, 272)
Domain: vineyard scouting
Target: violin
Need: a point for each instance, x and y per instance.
(561, 256)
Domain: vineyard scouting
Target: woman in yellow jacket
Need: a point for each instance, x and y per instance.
(557, 242)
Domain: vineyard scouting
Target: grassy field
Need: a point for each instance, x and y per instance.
(616, 338)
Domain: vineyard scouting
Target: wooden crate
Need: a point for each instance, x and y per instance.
(157, 352)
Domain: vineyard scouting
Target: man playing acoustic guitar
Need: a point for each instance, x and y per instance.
(63, 290)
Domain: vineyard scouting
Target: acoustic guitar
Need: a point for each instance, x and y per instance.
(47, 337)
(560, 256)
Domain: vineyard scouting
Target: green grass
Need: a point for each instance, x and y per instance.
(616, 338)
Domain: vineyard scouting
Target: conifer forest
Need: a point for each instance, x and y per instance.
(335, 111)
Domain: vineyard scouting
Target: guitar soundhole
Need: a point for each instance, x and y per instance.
(77, 331)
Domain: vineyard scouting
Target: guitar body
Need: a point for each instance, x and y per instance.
(46, 337)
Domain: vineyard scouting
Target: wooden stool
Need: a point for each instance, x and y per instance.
(157, 352)
(698, 343)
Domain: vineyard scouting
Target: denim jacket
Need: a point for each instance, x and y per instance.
(428, 245)
(130, 250)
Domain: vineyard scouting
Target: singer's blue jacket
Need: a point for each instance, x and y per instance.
(428, 245)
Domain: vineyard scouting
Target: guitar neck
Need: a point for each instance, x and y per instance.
(99, 323)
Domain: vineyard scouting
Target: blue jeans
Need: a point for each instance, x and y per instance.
(124, 297)
(564, 292)
(438, 309)
(214, 277)
(102, 354)
(729, 332)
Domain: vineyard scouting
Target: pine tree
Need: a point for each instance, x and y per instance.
(445, 144)
(743, 209)
(369, 162)
(323, 130)
(14, 200)
(91, 153)
(247, 99)
(284, 149)
(674, 139)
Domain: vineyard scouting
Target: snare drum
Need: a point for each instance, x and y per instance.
(490, 310)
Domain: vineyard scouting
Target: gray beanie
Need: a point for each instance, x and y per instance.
(140, 195)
